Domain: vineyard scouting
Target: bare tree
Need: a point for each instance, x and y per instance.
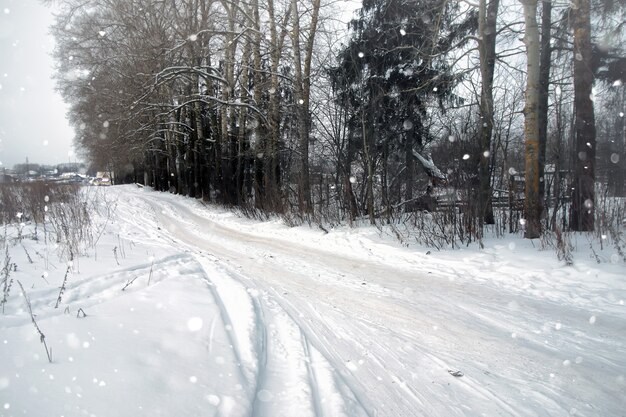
(302, 90)
(531, 123)
(487, 18)
(583, 195)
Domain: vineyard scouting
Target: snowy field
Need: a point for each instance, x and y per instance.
(194, 311)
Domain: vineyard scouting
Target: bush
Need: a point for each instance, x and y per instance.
(60, 209)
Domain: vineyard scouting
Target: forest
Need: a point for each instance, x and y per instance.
(450, 116)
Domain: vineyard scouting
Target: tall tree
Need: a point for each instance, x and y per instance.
(583, 194)
(532, 201)
(544, 90)
(302, 89)
(390, 74)
(487, 18)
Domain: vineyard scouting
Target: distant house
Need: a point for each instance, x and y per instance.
(72, 177)
(104, 178)
(5, 177)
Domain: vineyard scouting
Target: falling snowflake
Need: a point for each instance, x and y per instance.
(265, 396)
(194, 324)
(213, 399)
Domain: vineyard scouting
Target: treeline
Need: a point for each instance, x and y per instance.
(278, 106)
(39, 169)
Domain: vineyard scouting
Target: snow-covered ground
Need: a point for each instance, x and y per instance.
(194, 311)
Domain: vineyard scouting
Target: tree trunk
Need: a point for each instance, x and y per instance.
(241, 128)
(226, 113)
(583, 196)
(197, 193)
(271, 169)
(367, 133)
(619, 166)
(409, 160)
(532, 200)
(302, 94)
(544, 84)
(259, 129)
(487, 19)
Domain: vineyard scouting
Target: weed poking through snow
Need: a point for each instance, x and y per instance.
(7, 281)
(42, 337)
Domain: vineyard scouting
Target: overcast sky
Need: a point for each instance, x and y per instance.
(32, 115)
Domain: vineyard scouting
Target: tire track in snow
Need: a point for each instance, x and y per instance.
(288, 382)
(315, 390)
(246, 374)
(92, 290)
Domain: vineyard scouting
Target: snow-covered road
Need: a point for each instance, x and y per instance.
(391, 330)
(297, 323)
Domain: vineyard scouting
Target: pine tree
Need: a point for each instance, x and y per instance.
(392, 69)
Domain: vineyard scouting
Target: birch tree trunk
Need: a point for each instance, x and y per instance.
(226, 113)
(544, 83)
(259, 130)
(532, 203)
(271, 168)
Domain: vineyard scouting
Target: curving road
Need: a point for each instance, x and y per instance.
(324, 332)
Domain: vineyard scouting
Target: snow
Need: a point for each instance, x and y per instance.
(226, 316)
(429, 165)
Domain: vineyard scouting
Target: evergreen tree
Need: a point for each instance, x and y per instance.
(390, 73)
